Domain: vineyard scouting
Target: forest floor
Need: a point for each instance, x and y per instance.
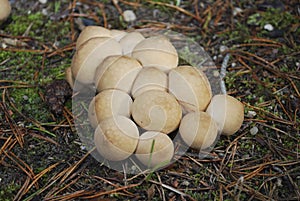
(42, 156)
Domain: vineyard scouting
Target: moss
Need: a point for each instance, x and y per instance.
(28, 102)
(21, 23)
(8, 193)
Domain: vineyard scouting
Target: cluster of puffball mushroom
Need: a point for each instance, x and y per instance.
(143, 95)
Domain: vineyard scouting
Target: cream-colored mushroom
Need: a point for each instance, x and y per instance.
(149, 79)
(91, 32)
(117, 34)
(191, 88)
(129, 41)
(156, 52)
(117, 72)
(198, 130)
(74, 84)
(228, 112)
(5, 10)
(154, 149)
(157, 111)
(116, 138)
(109, 103)
(90, 54)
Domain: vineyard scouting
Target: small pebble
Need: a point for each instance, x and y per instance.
(269, 27)
(254, 130)
(251, 114)
(216, 73)
(233, 64)
(25, 97)
(129, 16)
(43, 1)
(223, 48)
(45, 12)
(185, 183)
(236, 11)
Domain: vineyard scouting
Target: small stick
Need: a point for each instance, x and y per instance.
(223, 73)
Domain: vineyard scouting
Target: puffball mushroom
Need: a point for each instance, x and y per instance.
(5, 10)
(117, 72)
(156, 52)
(117, 34)
(116, 138)
(149, 79)
(154, 149)
(198, 130)
(228, 112)
(90, 55)
(129, 41)
(157, 111)
(109, 103)
(92, 32)
(191, 88)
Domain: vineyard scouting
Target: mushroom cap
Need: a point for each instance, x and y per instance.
(5, 10)
(157, 111)
(154, 149)
(116, 138)
(91, 32)
(117, 34)
(191, 88)
(129, 41)
(156, 52)
(90, 55)
(109, 103)
(228, 112)
(117, 72)
(76, 85)
(198, 130)
(149, 79)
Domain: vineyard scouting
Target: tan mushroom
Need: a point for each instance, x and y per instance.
(76, 85)
(154, 149)
(157, 111)
(228, 112)
(117, 34)
(156, 52)
(90, 55)
(117, 72)
(116, 138)
(91, 32)
(191, 88)
(109, 103)
(5, 10)
(198, 130)
(129, 41)
(149, 79)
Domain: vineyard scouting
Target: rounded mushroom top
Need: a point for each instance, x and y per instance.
(156, 52)
(90, 55)
(129, 41)
(91, 32)
(156, 110)
(109, 103)
(191, 88)
(117, 72)
(116, 138)
(154, 149)
(228, 112)
(149, 79)
(5, 10)
(198, 130)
